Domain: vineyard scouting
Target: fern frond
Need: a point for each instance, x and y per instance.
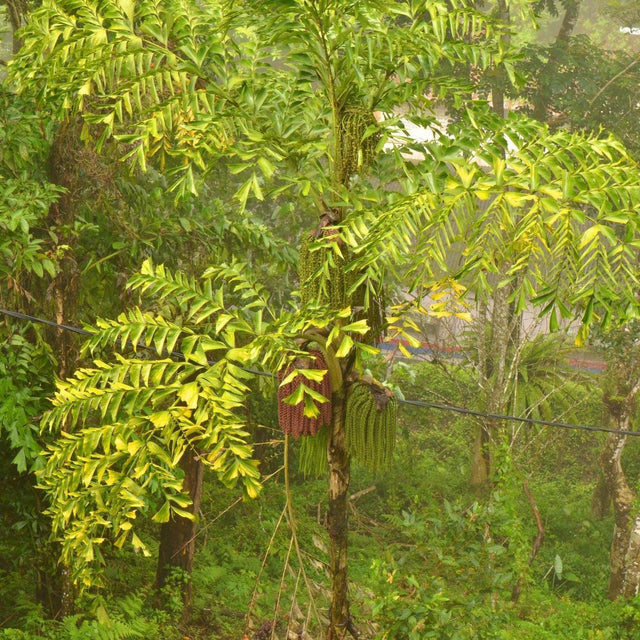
(241, 282)
(198, 301)
(136, 73)
(125, 425)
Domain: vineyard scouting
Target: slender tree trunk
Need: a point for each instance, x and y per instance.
(481, 456)
(543, 97)
(178, 536)
(601, 499)
(623, 499)
(537, 543)
(337, 521)
(497, 90)
(16, 11)
(493, 353)
(54, 590)
(480, 461)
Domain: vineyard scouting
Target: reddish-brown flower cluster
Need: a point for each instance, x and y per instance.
(291, 417)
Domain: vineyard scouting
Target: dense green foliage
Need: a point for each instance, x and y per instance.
(421, 559)
(206, 142)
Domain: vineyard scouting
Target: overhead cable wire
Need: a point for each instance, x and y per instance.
(415, 403)
(49, 323)
(84, 332)
(499, 416)
(176, 355)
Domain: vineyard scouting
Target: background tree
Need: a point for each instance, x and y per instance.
(587, 81)
(105, 224)
(585, 77)
(620, 393)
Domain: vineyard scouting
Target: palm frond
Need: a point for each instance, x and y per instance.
(125, 424)
(563, 224)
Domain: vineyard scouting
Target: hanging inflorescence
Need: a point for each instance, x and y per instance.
(325, 279)
(370, 424)
(313, 459)
(291, 417)
(357, 149)
(317, 253)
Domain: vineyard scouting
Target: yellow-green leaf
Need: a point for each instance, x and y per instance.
(189, 394)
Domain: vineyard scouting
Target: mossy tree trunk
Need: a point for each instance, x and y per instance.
(622, 384)
(624, 563)
(64, 171)
(601, 499)
(55, 590)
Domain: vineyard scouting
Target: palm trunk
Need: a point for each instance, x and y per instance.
(337, 521)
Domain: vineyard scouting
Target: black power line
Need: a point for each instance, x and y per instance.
(84, 332)
(49, 323)
(499, 416)
(415, 403)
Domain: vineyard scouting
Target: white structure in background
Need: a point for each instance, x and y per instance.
(633, 31)
(416, 133)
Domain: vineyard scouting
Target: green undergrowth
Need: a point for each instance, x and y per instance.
(429, 557)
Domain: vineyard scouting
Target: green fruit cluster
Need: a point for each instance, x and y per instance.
(329, 288)
(370, 425)
(332, 287)
(313, 459)
(356, 153)
(369, 304)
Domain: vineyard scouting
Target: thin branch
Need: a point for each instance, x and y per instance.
(293, 604)
(362, 492)
(254, 595)
(292, 524)
(537, 543)
(280, 590)
(632, 64)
